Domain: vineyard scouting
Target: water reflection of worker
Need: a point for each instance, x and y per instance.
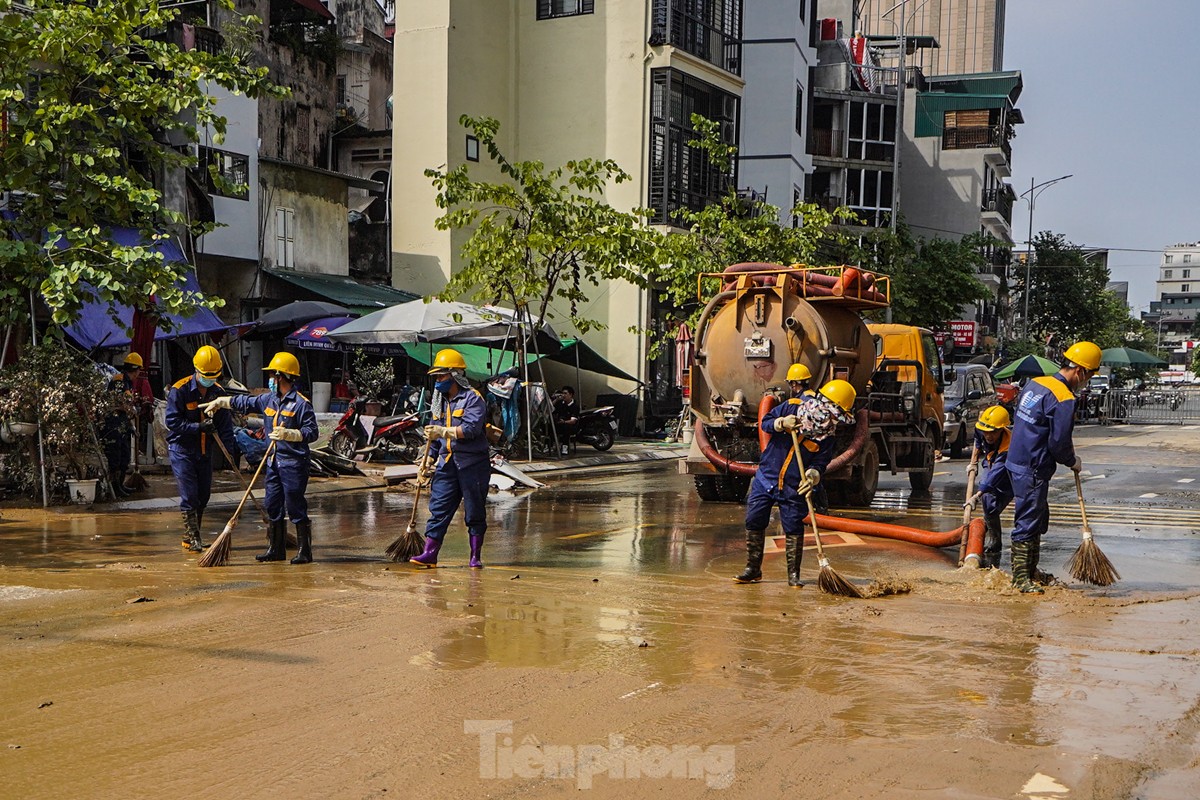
(779, 482)
(992, 437)
(189, 443)
(1041, 440)
(458, 453)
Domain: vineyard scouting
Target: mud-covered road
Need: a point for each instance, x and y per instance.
(605, 650)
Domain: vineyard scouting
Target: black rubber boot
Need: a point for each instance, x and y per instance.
(191, 532)
(992, 542)
(1020, 569)
(277, 538)
(304, 537)
(795, 551)
(754, 556)
(1036, 575)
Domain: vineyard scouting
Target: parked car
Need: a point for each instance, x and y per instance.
(971, 392)
(1098, 384)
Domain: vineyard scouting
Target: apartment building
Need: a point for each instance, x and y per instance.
(566, 79)
(965, 36)
(1174, 310)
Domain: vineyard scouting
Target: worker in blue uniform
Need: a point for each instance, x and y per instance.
(458, 466)
(1041, 440)
(779, 480)
(291, 425)
(189, 435)
(117, 427)
(993, 435)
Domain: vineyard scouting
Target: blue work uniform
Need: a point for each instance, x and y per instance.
(117, 429)
(1041, 440)
(288, 466)
(995, 484)
(462, 468)
(189, 449)
(779, 473)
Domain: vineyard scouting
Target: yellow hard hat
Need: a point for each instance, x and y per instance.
(840, 392)
(798, 372)
(447, 359)
(134, 359)
(207, 362)
(993, 418)
(1085, 354)
(284, 362)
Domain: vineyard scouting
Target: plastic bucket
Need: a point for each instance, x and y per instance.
(83, 493)
(321, 392)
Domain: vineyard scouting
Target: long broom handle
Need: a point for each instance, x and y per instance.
(241, 478)
(266, 457)
(1087, 529)
(971, 472)
(412, 519)
(812, 514)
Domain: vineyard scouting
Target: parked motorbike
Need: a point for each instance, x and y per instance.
(597, 427)
(392, 438)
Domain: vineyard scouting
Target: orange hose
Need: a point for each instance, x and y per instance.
(904, 533)
(765, 405)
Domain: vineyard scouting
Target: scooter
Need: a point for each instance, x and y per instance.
(597, 427)
(393, 438)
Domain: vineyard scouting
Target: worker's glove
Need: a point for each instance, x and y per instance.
(972, 501)
(424, 474)
(438, 432)
(214, 406)
(207, 425)
(811, 478)
(972, 469)
(788, 423)
(1078, 465)
(279, 434)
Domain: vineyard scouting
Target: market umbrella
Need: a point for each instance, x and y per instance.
(1028, 367)
(1129, 357)
(315, 335)
(293, 315)
(438, 321)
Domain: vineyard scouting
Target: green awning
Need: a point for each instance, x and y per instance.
(482, 362)
(588, 359)
(362, 298)
(979, 83)
(932, 108)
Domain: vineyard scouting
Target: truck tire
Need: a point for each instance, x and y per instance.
(921, 481)
(733, 488)
(706, 488)
(859, 492)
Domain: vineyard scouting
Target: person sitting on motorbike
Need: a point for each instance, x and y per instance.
(566, 413)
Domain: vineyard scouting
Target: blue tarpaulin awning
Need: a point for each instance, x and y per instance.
(95, 326)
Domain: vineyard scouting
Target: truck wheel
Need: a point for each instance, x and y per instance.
(733, 488)
(860, 491)
(706, 488)
(960, 442)
(921, 481)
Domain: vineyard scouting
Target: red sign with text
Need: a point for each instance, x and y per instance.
(964, 332)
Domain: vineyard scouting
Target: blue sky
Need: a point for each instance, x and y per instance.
(1112, 95)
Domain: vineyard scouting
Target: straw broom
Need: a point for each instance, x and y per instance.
(292, 541)
(1087, 563)
(218, 552)
(411, 542)
(828, 580)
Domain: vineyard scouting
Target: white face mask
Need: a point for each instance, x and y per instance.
(273, 384)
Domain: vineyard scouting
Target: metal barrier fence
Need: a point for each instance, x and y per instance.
(1160, 405)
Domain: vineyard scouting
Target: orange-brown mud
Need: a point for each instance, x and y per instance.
(603, 650)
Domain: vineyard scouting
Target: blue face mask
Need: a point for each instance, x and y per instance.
(273, 385)
(444, 385)
(205, 382)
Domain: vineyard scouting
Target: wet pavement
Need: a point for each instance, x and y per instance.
(625, 573)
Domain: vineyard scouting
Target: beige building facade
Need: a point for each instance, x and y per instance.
(969, 33)
(567, 79)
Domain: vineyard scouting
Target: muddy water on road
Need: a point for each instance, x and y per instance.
(606, 608)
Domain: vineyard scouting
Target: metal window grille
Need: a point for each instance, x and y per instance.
(551, 9)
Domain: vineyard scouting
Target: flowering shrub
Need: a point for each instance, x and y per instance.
(374, 380)
(66, 393)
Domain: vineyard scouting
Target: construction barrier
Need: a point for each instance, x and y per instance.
(1156, 405)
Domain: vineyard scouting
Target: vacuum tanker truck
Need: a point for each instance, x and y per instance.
(765, 317)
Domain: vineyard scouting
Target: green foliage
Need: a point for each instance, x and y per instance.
(1067, 295)
(542, 235)
(1196, 361)
(94, 92)
(64, 391)
(373, 379)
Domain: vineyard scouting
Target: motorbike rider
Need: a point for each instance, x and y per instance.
(993, 432)
(188, 434)
(779, 482)
(457, 465)
(291, 425)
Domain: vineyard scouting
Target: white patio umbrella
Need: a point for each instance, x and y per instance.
(418, 321)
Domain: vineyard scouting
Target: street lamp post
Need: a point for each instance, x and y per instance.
(1034, 191)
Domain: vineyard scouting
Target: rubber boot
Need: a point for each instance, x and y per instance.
(476, 561)
(304, 538)
(754, 556)
(1036, 575)
(191, 532)
(992, 542)
(795, 551)
(1020, 569)
(277, 538)
(429, 557)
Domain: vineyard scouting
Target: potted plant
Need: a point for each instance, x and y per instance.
(373, 380)
(64, 392)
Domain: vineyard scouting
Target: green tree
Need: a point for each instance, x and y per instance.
(95, 97)
(1067, 296)
(541, 235)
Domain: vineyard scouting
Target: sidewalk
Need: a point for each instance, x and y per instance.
(161, 492)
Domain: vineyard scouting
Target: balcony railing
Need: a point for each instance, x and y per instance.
(975, 138)
(710, 32)
(999, 201)
(828, 142)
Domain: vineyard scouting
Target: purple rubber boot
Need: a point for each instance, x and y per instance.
(476, 561)
(429, 557)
